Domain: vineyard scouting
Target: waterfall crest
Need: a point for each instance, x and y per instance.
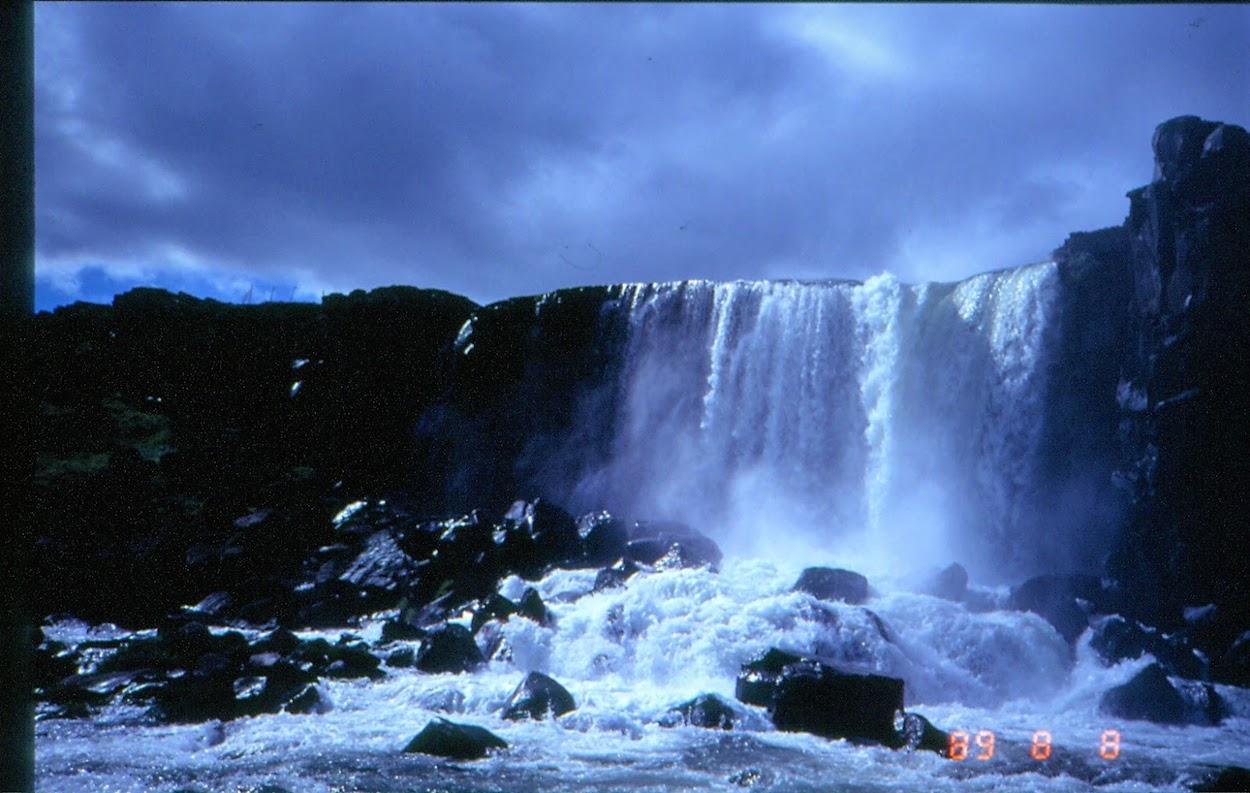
(888, 425)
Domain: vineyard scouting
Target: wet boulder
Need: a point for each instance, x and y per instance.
(1151, 696)
(917, 732)
(537, 697)
(1117, 639)
(706, 710)
(352, 661)
(1224, 780)
(96, 688)
(307, 700)
(495, 607)
(828, 583)
(203, 694)
(1233, 665)
(449, 648)
(670, 546)
(443, 738)
(1065, 601)
(949, 583)
(615, 576)
(604, 538)
(417, 617)
(532, 607)
(814, 697)
(381, 571)
(536, 535)
(465, 564)
(53, 662)
(757, 683)
(402, 658)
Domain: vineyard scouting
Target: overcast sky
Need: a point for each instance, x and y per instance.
(247, 151)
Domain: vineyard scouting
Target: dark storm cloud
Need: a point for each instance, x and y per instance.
(507, 149)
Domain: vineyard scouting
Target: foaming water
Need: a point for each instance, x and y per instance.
(886, 423)
(627, 655)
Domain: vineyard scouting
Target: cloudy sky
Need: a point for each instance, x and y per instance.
(249, 152)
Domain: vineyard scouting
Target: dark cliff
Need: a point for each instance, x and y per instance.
(1184, 393)
(165, 418)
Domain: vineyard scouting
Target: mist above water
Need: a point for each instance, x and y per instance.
(879, 425)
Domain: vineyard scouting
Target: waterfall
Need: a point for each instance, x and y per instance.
(880, 423)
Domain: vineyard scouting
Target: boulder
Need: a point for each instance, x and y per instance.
(1065, 601)
(1224, 780)
(495, 607)
(917, 732)
(670, 545)
(813, 697)
(532, 607)
(537, 697)
(394, 630)
(604, 538)
(402, 658)
(308, 699)
(950, 583)
(1150, 696)
(1117, 639)
(706, 710)
(443, 738)
(1233, 665)
(829, 583)
(381, 571)
(615, 576)
(757, 682)
(449, 648)
(535, 535)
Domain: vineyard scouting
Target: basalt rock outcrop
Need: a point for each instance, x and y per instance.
(1184, 390)
(206, 446)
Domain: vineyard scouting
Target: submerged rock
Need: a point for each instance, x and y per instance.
(443, 738)
(829, 583)
(706, 710)
(537, 697)
(449, 649)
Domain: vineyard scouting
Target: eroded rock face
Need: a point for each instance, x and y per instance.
(1185, 387)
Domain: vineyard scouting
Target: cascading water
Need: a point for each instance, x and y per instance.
(880, 426)
(883, 423)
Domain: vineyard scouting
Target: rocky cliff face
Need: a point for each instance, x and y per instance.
(1185, 421)
(166, 419)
